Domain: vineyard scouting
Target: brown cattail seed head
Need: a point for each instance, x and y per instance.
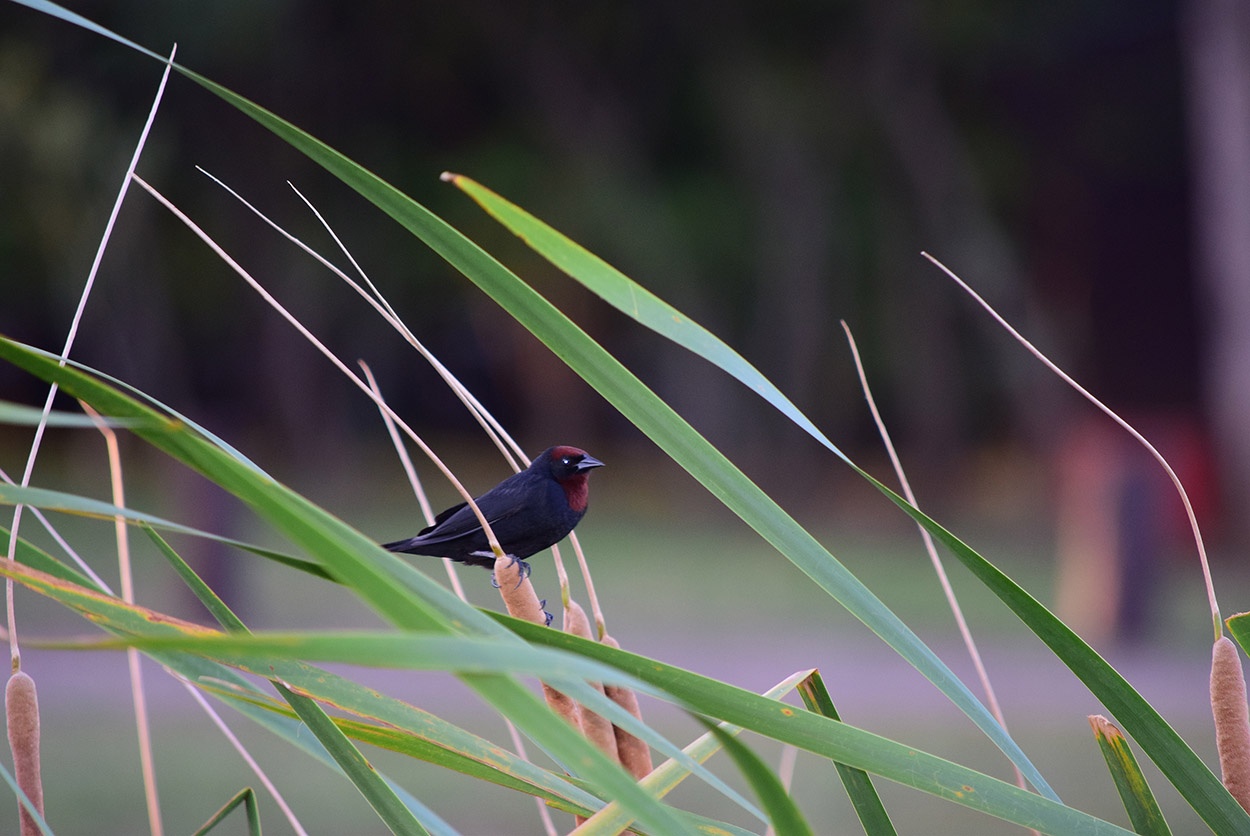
(598, 730)
(634, 753)
(21, 707)
(1232, 719)
(517, 592)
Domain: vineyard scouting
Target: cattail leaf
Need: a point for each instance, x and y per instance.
(783, 814)
(251, 807)
(22, 415)
(632, 299)
(1239, 626)
(1187, 772)
(650, 413)
(50, 500)
(838, 741)
(1139, 801)
(398, 593)
(210, 599)
(859, 788)
(38, 559)
(376, 790)
(667, 776)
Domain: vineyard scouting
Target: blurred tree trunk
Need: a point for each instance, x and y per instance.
(1217, 54)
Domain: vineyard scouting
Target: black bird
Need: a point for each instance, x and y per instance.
(529, 511)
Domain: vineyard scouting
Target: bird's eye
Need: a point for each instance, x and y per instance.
(566, 461)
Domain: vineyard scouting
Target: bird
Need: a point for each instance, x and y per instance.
(528, 512)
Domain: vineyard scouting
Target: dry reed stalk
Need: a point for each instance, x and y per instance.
(21, 707)
(634, 754)
(1232, 719)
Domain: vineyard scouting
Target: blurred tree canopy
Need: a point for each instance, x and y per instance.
(768, 168)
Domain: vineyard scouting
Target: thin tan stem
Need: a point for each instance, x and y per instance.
(947, 590)
(453, 576)
(11, 618)
(329, 355)
(518, 742)
(1066, 378)
(138, 694)
(246, 755)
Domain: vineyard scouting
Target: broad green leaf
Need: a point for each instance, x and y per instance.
(399, 651)
(863, 794)
(1139, 801)
(1239, 626)
(662, 780)
(67, 503)
(1178, 762)
(632, 299)
(783, 815)
(634, 400)
(371, 572)
(210, 599)
(838, 741)
(651, 414)
(16, 413)
(399, 819)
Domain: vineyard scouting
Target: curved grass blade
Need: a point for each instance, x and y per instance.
(1139, 801)
(381, 797)
(1195, 781)
(783, 814)
(651, 414)
(662, 780)
(22, 415)
(859, 788)
(414, 603)
(37, 558)
(251, 808)
(210, 599)
(838, 741)
(1176, 760)
(68, 503)
(632, 299)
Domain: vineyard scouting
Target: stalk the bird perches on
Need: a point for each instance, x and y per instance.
(528, 512)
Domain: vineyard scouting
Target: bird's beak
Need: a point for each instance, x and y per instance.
(588, 463)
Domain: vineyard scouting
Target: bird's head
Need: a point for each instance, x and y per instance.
(570, 467)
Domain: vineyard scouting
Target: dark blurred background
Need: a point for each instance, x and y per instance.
(767, 168)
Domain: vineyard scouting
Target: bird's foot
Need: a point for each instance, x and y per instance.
(548, 617)
(524, 572)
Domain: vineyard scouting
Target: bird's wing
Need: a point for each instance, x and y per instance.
(442, 517)
(460, 521)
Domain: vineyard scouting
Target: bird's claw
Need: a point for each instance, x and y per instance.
(523, 571)
(548, 617)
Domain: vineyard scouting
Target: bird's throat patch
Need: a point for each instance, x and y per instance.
(576, 489)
